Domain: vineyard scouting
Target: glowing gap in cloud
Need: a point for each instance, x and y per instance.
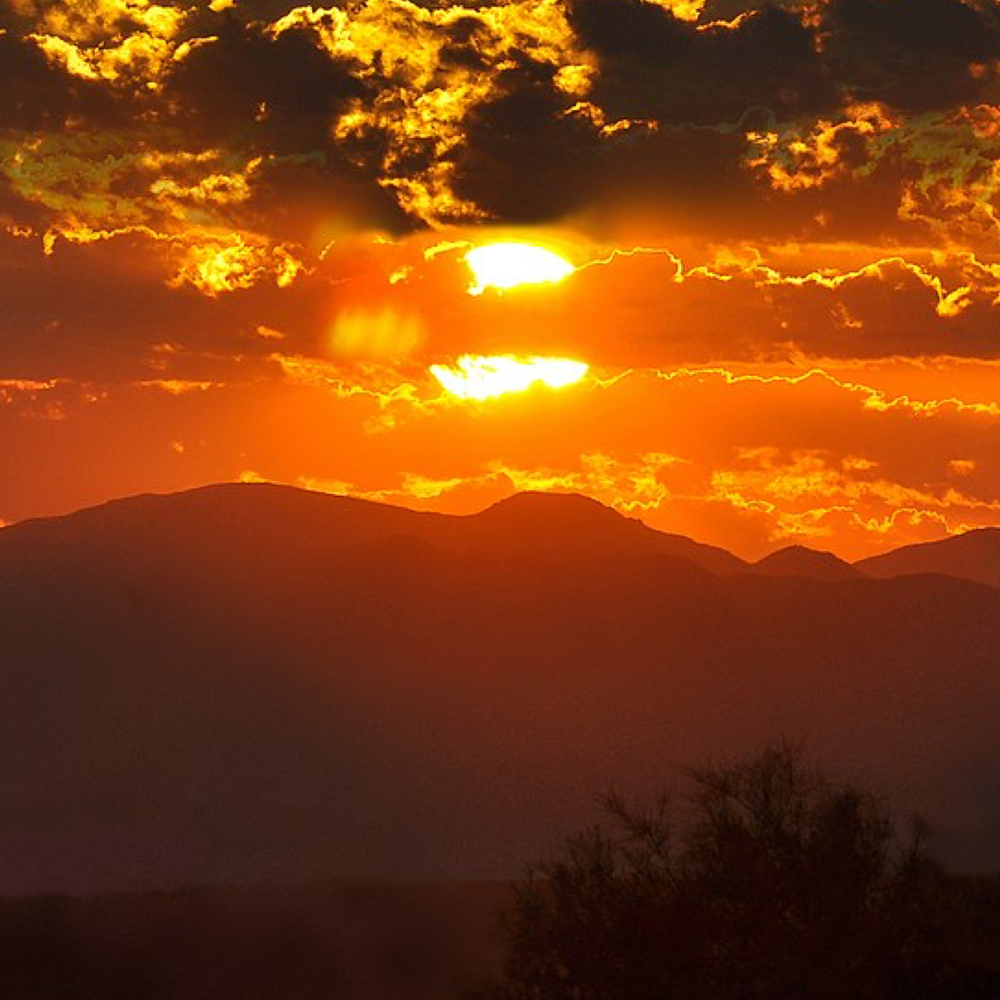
(507, 265)
(477, 377)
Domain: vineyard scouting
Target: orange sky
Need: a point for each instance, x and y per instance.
(233, 242)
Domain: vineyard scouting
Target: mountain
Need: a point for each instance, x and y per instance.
(552, 521)
(247, 683)
(972, 556)
(262, 515)
(797, 560)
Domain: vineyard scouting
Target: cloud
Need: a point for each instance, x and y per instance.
(913, 54)
(679, 303)
(723, 119)
(38, 95)
(427, 69)
(653, 64)
(290, 90)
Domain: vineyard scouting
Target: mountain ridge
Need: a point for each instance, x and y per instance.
(544, 516)
(973, 555)
(541, 519)
(798, 560)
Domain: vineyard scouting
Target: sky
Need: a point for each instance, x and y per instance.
(238, 241)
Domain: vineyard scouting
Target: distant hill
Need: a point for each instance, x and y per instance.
(252, 683)
(972, 556)
(550, 521)
(797, 560)
(267, 514)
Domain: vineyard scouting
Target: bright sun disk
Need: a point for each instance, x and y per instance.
(507, 265)
(476, 377)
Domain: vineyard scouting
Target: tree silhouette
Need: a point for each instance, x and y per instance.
(767, 881)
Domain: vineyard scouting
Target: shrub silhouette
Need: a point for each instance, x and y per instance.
(768, 881)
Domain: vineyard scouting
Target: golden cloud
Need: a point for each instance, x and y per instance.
(791, 160)
(423, 98)
(215, 263)
(117, 41)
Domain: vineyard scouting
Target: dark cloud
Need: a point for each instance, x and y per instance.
(912, 54)
(693, 177)
(524, 157)
(317, 198)
(99, 311)
(272, 94)
(705, 90)
(204, 21)
(656, 66)
(288, 95)
(35, 95)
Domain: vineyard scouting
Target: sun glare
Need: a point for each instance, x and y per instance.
(476, 377)
(507, 265)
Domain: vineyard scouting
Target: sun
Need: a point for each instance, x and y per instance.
(477, 377)
(507, 265)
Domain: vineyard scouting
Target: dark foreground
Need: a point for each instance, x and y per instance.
(331, 941)
(334, 941)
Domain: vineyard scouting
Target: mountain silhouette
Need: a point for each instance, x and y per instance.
(248, 683)
(260, 515)
(974, 555)
(553, 521)
(797, 560)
